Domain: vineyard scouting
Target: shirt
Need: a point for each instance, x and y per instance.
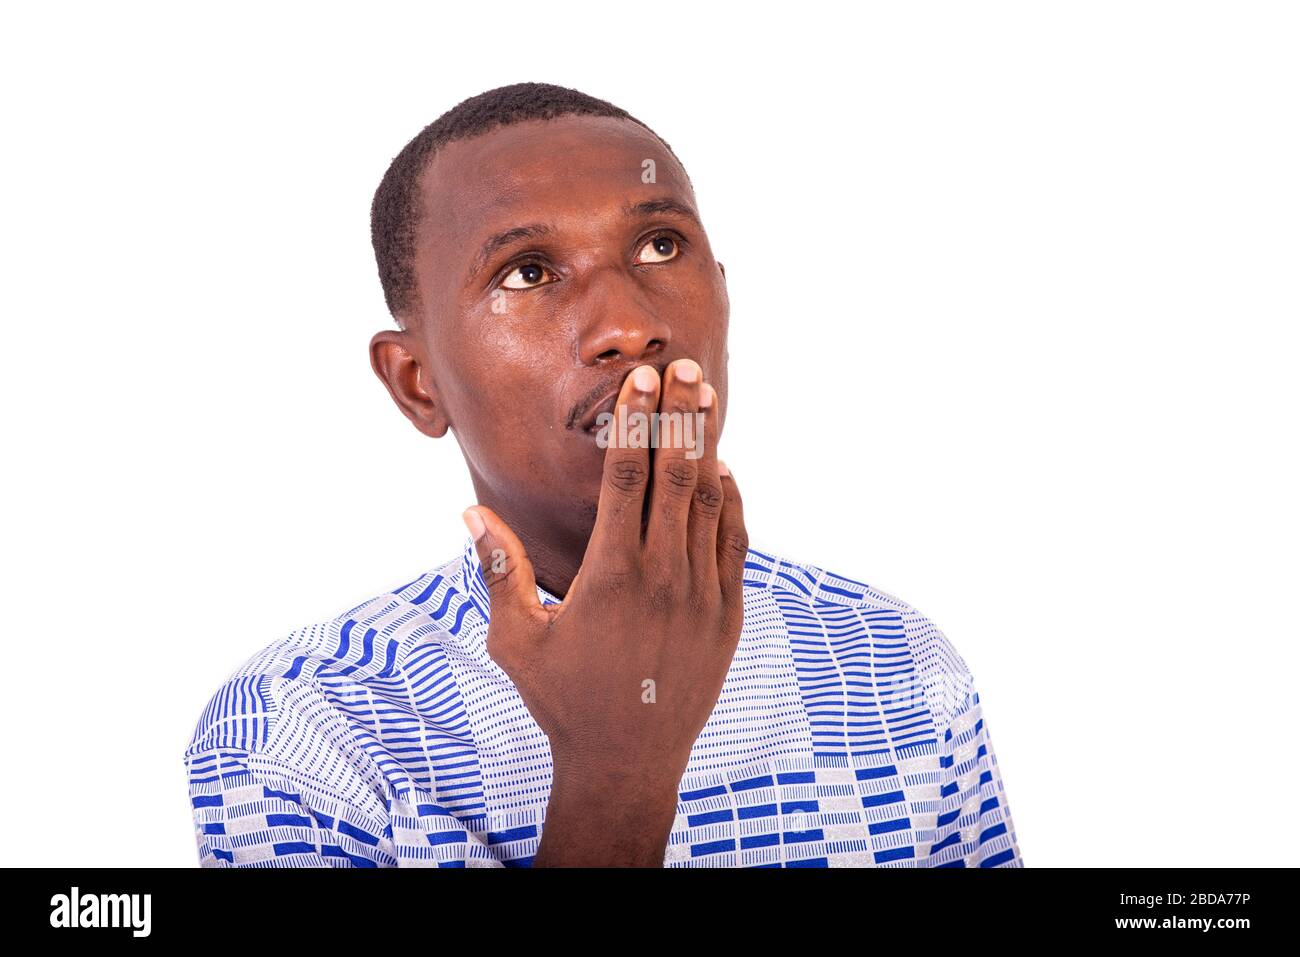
(848, 733)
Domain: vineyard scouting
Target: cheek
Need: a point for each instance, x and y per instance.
(504, 403)
(710, 309)
(506, 394)
(709, 296)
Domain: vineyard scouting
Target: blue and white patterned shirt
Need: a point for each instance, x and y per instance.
(848, 734)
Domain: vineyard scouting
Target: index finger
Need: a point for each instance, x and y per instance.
(627, 467)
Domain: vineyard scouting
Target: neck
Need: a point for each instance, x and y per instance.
(553, 545)
(555, 562)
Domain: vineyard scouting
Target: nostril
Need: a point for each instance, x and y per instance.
(638, 350)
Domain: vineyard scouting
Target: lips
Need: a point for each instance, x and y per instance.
(604, 399)
(589, 422)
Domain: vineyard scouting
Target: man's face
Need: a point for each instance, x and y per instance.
(547, 269)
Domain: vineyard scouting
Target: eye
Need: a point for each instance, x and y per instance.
(527, 276)
(660, 249)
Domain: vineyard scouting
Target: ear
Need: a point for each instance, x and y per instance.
(394, 359)
(722, 269)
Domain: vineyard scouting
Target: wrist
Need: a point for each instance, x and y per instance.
(607, 816)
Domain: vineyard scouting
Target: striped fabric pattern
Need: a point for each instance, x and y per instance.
(848, 734)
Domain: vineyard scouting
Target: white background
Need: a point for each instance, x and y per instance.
(1014, 307)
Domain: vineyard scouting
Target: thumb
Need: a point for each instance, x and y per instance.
(506, 569)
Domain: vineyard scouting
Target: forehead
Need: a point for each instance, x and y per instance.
(540, 170)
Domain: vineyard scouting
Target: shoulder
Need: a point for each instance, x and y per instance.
(837, 607)
(367, 641)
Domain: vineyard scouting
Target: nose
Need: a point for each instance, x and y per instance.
(620, 324)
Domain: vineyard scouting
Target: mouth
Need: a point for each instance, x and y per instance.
(603, 400)
(591, 421)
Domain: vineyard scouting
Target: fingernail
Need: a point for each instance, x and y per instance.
(687, 370)
(644, 378)
(706, 398)
(474, 522)
(722, 468)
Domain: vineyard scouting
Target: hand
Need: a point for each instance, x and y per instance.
(624, 672)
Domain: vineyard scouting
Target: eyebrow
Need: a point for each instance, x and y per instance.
(650, 207)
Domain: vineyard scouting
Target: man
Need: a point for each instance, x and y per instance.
(607, 674)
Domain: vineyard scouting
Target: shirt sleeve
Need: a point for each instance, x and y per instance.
(272, 785)
(974, 826)
(247, 814)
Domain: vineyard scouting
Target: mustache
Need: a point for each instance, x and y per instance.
(612, 384)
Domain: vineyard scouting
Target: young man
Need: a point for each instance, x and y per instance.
(607, 674)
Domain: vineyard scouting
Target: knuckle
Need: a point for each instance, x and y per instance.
(708, 497)
(496, 579)
(663, 594)
(678, 475)
(627, 475)
(663, 587)
(735, 543)
(615, 574)
(702, 604)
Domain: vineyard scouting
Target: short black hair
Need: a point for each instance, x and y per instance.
(395, 211)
